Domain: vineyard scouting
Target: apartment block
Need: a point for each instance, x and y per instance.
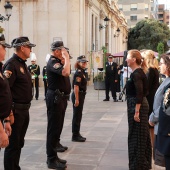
(138, 10)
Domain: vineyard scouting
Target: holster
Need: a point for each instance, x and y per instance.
(60, 96)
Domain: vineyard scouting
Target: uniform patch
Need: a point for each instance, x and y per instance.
(57, 65)
(79, 71)
(7, 74)
(1, 76)
(78, 79)
(22, 70)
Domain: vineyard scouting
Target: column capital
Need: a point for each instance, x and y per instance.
(89, 3)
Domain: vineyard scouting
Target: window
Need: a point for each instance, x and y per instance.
(133, 7)
(146, 7)
(133, 18)
(120, 7)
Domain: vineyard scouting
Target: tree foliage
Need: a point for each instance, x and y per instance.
(147, 34)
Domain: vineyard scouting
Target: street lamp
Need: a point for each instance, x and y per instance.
(106, 20)
(8, 12)
(117, 32)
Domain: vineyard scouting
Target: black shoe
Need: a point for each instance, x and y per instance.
(60, 160)
(78, 138)
(106, 100)
(60, 148)
(56, 165)
(65, 147)
(36, 98)
(115, 100)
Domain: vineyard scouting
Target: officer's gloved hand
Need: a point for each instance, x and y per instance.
(45, 77)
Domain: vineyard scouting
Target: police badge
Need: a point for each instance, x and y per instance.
(7, 73)
(22, 70)
(78, 79)
(57, 65)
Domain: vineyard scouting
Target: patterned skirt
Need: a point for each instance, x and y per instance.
(139, 143)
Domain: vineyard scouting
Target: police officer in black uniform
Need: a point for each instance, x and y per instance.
(19, 78)
(58, 71)
(111, 79)
(34, 69)
(5, 98)
(78, 96)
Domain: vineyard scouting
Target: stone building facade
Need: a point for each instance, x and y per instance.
(76, 22)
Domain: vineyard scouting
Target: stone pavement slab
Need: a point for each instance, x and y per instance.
(104, 124)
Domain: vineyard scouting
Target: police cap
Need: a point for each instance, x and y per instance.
(58, 45)
(21, 41)
(82, 59)
(2, 41)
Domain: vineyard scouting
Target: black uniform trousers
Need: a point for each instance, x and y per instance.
(110, 85)
(36, 83)
(55, 116)
(45, 87)
(77, 113)
(16, 140)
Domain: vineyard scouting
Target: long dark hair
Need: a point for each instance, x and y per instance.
(77, 65)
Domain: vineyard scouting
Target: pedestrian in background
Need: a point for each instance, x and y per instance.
(44, 73)
(5, 99)
(19, 78)
(163, 137)
(111, 78)
(59, 87)
(139, 144)
(152, 75)
(34, 69)
(157, 107)
(78, 97)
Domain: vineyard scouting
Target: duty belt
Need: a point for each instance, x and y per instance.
(61, 94)
(21, 106)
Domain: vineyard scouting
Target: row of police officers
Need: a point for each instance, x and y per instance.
(16, 96)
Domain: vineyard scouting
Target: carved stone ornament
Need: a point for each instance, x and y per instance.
(89, 3)
(102, 14)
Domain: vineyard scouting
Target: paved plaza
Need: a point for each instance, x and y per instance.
(104, 124)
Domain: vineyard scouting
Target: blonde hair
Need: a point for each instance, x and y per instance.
(150, 59)
(139, 60)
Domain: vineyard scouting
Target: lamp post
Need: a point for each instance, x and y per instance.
(106, 20)
(8, 12)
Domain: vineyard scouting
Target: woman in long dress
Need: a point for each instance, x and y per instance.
(139, 144)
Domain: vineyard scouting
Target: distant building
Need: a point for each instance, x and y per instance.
(138, 10)
(163, 14)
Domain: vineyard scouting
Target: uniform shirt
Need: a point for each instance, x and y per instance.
(34, 70)
(80, 80)
(19, 79)
(55, 78)
(44, 73)
(5, 96)
(111, 71)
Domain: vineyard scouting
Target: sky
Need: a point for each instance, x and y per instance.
(166, 2)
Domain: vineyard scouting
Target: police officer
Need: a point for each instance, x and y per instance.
(78, 96)
(34, 69)
(5, 98)
(44, 73)
(19, 78)
(58, 71)
(111, 79)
